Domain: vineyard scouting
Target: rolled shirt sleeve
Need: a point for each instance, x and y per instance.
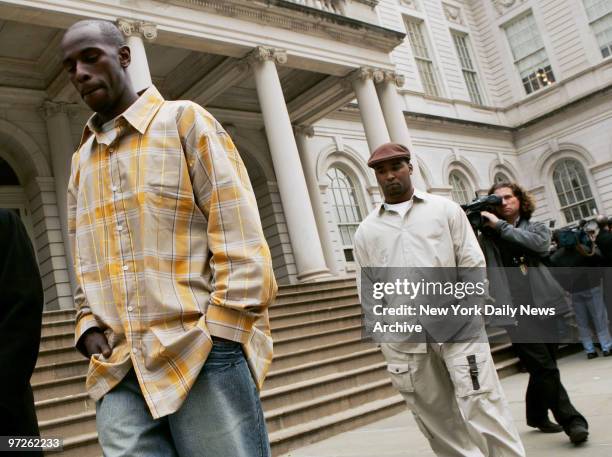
(243, 277)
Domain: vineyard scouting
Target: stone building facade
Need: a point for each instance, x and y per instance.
(479, 89)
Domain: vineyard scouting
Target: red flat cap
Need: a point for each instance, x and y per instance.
(388, 151)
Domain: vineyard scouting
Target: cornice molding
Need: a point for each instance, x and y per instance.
(301, 19)
(371, 3)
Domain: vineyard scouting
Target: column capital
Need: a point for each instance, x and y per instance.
(361, 73)
(49, 109)
(264, 53)
(146, 30)
(306, 130)
(393, 77)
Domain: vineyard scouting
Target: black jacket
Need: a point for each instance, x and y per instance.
(21, 305)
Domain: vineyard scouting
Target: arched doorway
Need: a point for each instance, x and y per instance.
(13, 197)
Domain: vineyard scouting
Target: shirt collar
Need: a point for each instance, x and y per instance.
(417, 196)
(139, 115)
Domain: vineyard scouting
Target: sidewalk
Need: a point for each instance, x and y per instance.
(588, 382)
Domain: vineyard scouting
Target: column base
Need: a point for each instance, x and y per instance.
(314, 275)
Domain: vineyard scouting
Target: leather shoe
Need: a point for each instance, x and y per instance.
(578, 433)
(546, 426)
(607, 353)
(592, 355)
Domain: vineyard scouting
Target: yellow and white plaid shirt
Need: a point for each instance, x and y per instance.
(168, 249)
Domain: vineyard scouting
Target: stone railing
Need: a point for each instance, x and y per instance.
(331, 6)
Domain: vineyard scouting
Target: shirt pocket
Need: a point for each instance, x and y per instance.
(472, 374)
(401, 378)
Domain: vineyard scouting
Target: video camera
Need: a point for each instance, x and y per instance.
(473, 209)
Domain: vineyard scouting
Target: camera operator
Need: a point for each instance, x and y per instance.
(604, 243)
(581, 273)
(512, 241)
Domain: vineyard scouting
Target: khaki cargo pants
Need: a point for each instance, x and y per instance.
(456, 399)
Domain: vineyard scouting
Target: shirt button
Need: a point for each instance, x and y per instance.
(120, 227)
(114, 188)
(134, 350)
(111, 150)
(130, 308)
(125, 267)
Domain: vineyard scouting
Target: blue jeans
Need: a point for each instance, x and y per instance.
(222, 415)
(587, 303)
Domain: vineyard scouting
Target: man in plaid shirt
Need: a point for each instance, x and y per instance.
(174, 276)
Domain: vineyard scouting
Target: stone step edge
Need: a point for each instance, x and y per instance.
(506, 363)
(317, 348)
(65, 363)
(59, 381)
(50, 351)
(323, 362)
(79, 440)
(285, 410)
(333, 419)
(346, 278)
(60, 400)
(69, 419)
(317, 310)
(326, 320)
(337, 287)
(58, 323)
(314, 335)
(301, 385)
(330, 300)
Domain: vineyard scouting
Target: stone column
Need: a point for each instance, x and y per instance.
(369, 107)
(305, 241)
(387, 83)
(302, 135)
(136, 32)
(57, 118)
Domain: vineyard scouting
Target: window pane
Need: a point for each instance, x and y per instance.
(418, 44)
(529, 54)
(426, 72)
(524, 37)
(573, 190)
(346, 207)
(596, 9)
(599, 13)
(461, 191)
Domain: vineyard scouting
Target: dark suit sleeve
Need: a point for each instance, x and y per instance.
(21, 305)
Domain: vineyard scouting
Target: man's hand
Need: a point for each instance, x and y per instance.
(491, 219)
(94, 341)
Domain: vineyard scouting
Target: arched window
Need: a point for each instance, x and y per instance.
(461, 190)
(345, 208)
(501, 177)
(573, 190)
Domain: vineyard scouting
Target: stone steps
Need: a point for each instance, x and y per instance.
(324, 379)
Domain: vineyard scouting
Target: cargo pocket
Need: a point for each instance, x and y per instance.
(472, 374)
(400, 376)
